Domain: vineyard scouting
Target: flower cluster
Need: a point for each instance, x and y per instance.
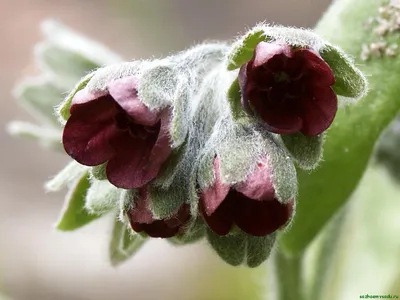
(207, 139)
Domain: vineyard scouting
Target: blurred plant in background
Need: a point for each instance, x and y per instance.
(315, 259)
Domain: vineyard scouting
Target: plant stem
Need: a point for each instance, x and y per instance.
(289, 276)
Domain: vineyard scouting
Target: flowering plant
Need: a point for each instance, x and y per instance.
(218, 142)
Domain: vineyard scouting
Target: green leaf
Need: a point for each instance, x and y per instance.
(234, 98)
(349, 80)
(306, 150)
(243, 50)
(66, 177)
(124, 243)
(102, 197)
(39, 96)
(62, 111)
(239, 248)
(66, 66)
(165, 202)
(46, 136)
(193, 232)
(74, 214)
(353, 135)
(231, 248)
(259, 249)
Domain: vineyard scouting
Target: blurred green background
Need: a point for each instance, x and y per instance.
(36, 262)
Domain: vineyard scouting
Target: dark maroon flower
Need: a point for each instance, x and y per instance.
(114, 126)
(289, 88)
(141, 218)
(250, 205)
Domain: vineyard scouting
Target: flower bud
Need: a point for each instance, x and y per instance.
(289, 88)
(251, 205)
(142, 219)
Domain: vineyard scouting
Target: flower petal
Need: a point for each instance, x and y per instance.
(259, 218)
(319, 112)
(258, 185)
(84, 96)
(125, 93)
(321, 73)
(281, 119)
(128, 169)
(214, 195)
(88, 131)
(221, 220)
(140, 213)
(265, 51)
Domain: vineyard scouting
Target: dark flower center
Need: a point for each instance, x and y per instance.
(282, 79)
(125, 122)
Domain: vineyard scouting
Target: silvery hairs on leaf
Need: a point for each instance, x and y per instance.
(102, 197)
(46, 136)
(305, 150)
(66, 177)
(242, 249)
(177, 184)
(124, 243)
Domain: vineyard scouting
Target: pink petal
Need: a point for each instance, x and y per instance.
(265, 51)
(84, 96)
(214, 195)
(88, 131)
(128, 169)
(260, 218)
(258, 185)
(141, 212)
(124, 91)
(319, 112)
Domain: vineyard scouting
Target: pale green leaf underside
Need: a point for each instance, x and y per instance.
(123, 243)
(39, 96)
(74, 214)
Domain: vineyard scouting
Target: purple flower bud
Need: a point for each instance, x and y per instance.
(289, 89)
(141, 218)
(114, 126)
(250, 205)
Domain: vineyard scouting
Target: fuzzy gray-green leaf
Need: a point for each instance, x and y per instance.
(349, 80)
(99, 172)
(231, 248)
(66, 66)
(306, 150)
(67, 176)
(46, 136)
(74, 214)
(258, 249)
(102, 197)
(243, 50)
(165, 202)
(39, 96)
(124, 243)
